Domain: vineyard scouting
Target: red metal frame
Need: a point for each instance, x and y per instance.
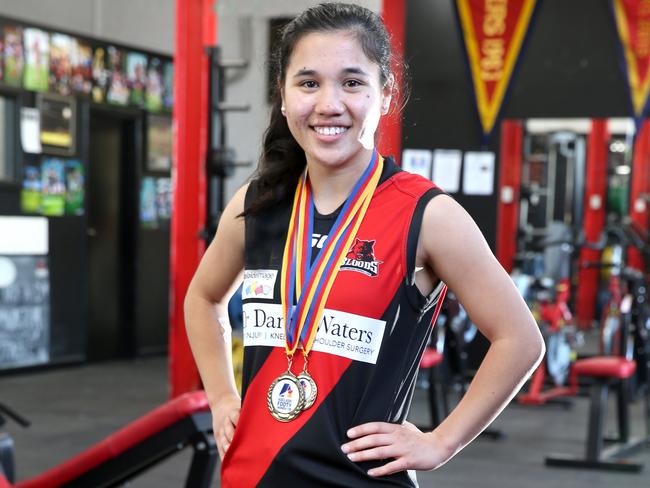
(196, 28)
(393, 13)
(640, 189)
(594, 220)
(512, 134)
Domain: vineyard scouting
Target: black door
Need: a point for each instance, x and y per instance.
(111, 237)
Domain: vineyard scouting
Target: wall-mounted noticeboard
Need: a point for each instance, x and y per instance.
(24, 292)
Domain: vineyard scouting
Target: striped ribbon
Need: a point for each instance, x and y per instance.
(311, 284)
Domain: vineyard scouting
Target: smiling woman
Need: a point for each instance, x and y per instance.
(356, 255)
(332, 98)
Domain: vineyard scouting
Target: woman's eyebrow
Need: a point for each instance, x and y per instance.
(353, 70)
(305, 72)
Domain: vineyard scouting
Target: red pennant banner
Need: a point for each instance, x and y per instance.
(493, 31)
(632, 19)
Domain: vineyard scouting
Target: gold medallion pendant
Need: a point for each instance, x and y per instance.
(309, 387)
(286, 397)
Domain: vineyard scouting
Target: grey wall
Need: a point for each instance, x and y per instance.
(141, 23)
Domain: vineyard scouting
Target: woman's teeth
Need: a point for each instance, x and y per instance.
(330, 131)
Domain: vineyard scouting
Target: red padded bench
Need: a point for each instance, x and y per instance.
(430, 358)
(4, 483)
(181, 422)
(605, 371)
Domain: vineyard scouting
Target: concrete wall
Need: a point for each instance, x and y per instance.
(148, 24)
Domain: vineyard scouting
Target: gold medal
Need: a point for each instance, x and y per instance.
(308, 384)
(309, 387)
(286, 397)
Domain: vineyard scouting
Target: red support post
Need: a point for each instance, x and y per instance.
(393, 13)
(195, 30)
(594, 220)
(509, 184)
(640, 190)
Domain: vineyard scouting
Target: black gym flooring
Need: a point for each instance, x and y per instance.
(73, 407)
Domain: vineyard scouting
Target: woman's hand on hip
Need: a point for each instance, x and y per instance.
(403, 445)
(225, 415)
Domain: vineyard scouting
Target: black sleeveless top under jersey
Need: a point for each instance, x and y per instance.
(366, 353)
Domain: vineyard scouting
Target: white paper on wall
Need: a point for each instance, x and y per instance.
(446, 169)
(478, 177)
(417, 161)
(24, 236)
(30, 130)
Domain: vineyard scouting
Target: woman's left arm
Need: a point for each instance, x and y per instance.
(454, 250)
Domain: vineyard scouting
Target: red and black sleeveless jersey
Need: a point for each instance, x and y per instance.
(366, 353)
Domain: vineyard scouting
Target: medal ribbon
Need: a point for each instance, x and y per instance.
(312, 284)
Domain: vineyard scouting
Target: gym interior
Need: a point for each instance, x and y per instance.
(125, 126)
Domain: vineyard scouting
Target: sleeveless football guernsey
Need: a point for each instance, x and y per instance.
(366, 354)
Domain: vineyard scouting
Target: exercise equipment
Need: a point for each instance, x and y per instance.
(446, 361)
(606, 372)
(221, 159)
(7, 444)
(625, 321)
(623, 364)
(440, 361)
(437, 400)
(639, 325)
(555, 320)
(544, 282)
(182, 422)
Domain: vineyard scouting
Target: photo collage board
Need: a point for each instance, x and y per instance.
(155, 202)
(53, 188)
(60, 68)
(46, 61)
(156, 184)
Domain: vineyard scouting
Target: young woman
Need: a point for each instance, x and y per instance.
(346, 259)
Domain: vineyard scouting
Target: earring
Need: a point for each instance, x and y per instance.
(283, 110)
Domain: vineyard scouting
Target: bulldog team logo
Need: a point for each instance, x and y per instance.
(361, 258)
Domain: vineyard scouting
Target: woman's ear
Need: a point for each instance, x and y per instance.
(282, 109)
(385, 105)
(387, 94)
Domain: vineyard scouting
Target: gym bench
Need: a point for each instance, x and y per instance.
(605, 371)
(181, 422)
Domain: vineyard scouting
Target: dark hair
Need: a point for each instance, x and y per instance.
(283, 160)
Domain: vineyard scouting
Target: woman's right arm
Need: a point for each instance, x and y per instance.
(206, 319)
